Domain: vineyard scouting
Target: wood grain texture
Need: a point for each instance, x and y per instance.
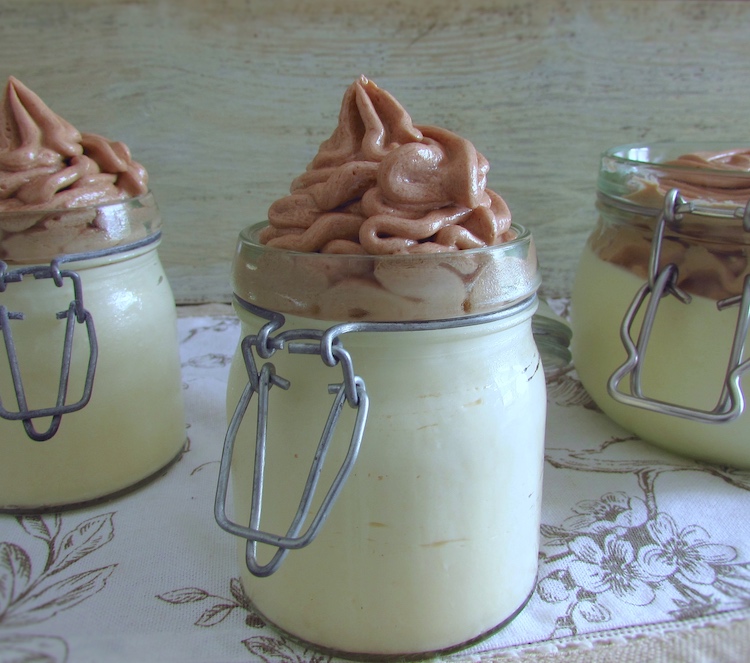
(226, 101)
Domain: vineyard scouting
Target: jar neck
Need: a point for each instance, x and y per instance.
(511, 315)
(87, 259)
(31, 236)
(115, 254)
(713, 222)
(706, 243)
(393, 287)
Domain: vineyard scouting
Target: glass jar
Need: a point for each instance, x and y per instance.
(422, 533)
(90, 384)
(659, 319)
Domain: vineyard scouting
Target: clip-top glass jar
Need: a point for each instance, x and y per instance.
(416, 378)
(661, 297)
(90, 385)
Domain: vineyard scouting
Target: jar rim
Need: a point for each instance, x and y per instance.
(390, 287)
(646, 152)
(653, 155)
(249, 237)
(32, 236)
(638, 176)
(144, 200)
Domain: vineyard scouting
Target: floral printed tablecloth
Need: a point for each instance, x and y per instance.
(634, 540)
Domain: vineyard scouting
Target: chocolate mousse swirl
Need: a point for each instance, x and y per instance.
(381, 185)
(58, 185)
(46, 163)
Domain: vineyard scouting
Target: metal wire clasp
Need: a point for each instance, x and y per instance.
(328, 345)
(260, 381)
(76, 314)
(662, 283)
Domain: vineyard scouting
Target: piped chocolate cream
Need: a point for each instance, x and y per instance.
(55, 183)
(388, 198)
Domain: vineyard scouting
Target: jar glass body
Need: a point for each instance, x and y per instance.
(686, 359)
(133, 424)
(433, 540)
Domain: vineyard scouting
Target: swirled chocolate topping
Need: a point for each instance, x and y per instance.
(47, 165)
(381, 226)
(382, 185)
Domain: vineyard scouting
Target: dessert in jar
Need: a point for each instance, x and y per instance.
(392, 273)
(90, 385)
(669, 248)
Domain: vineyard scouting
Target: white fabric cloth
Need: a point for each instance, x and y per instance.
(634, 541)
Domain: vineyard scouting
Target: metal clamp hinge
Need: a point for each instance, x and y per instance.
(260, 381)
(76, 314)
(662, 283)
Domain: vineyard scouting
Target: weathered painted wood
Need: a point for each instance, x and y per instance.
(226, 101)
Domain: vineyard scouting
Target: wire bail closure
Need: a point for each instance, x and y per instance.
(351, 390)
(662, 283)
(76, 314)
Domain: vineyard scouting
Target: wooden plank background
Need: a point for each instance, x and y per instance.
(226, 101)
